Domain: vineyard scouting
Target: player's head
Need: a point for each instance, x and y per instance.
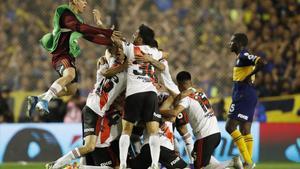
(117, 53)
(184, 80)
(78, 5)
(238, 41)
(145, 36)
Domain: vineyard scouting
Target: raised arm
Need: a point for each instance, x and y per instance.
(114, 70)
(68, 20)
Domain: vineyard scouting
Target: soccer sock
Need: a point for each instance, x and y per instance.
(189, 143)
(123, 146)
(240, 143)
(213, 160)
(249, 143)
(53, 90)
(42, 95)
(66, 159)
(154, 144)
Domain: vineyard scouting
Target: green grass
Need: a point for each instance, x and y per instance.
(259, 166)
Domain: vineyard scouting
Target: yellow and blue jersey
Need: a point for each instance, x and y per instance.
(244, 96)
(244, 65)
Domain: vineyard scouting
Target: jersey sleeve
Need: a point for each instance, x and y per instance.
(247, 57)
(128, 49)
(184, 102)
(157, 55)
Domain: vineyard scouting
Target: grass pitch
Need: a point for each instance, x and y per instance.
(25, 165)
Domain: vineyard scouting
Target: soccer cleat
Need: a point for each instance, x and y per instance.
(249, 166)
(50, 165)
(237, 162)
(42, 106)
(31, 103)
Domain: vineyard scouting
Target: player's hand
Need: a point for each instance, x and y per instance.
(118, 34)
(145, 58)
(116, 39)
(97, 17)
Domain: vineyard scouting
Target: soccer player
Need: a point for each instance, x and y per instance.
(106, 152)
(141, 95)
(168, 157)
(62, 43)
(111, 81)
(202, 120)
(244, 97)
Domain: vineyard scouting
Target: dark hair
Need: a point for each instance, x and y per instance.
(147, 34)
(183, 76)
(241, 38)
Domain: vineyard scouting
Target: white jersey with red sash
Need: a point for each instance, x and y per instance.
(110, 128)
(200, 114)
(140, 76)
(106, 90)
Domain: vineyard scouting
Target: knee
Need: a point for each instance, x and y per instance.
(152, 128)
(69, 77)
(89, 147)
(244, 131)
(127, 128)
(230, 128)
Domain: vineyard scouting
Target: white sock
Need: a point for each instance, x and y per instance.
(123, 146)
(154, 144)
(53, 90)
(42, 95)
(213, 160)
(66, 159)
(188, 139)
(215, 164)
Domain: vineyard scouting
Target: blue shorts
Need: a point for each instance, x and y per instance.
(243, 104)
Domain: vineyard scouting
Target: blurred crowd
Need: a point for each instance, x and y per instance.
(195, 33)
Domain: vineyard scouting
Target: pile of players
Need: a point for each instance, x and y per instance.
(135, 104)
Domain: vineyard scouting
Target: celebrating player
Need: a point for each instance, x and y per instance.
(202, 120)
(62, 43)
(141, 97)
(110, 83)
(244, 97)
(168, 157)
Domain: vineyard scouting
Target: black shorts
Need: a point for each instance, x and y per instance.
(204, 148)
(181, 119)
(167, 158)
(91, 122)
(62, 63)
(102, 157)
(142, 107)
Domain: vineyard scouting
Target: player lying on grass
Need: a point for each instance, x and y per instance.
(202, 120)
(168, 157)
